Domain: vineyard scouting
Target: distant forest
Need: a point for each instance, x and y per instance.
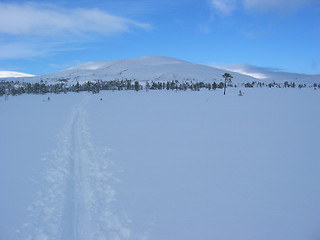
(17, 88)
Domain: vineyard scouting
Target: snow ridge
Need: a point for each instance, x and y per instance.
(159, 68)
(77, 201)
(12, 74)
(149, 68)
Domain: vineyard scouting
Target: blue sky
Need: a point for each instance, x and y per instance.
(41, 37)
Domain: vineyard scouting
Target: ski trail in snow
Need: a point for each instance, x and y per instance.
(77, 200)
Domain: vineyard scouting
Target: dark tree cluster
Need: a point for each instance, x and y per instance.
(278, 85)
(176, 85)
(17, 88)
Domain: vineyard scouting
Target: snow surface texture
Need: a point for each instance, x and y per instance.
(173, 165)
(77, 199)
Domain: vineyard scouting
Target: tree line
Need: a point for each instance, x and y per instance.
(17, 88)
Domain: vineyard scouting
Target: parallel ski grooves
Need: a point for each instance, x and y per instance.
(77, 201)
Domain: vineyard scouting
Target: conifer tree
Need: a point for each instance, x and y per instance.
(227, 79)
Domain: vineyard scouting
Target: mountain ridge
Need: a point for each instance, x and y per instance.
(147, 68)
(160, 68)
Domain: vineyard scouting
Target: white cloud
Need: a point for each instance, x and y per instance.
(44, 20)
(228, 6)
(32, 19)
(21, 50)
(266, 5)
(224, 6)
(204, 28)
(32, 29)
(31, 47)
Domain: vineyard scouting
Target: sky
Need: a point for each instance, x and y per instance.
(40, 37)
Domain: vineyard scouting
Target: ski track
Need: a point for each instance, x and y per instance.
(77, 200)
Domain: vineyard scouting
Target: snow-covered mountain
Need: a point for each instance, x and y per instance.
(270, 75)
(156, 68)
(11, 74)
(150, 68)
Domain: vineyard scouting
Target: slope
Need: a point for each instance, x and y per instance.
(270, 75)
(151, 68)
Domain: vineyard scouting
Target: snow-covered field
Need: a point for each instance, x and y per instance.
(161, 165)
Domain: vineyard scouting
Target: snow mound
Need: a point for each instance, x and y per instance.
(149, 68)
(270, 75)
(163, 69)
(9, 74)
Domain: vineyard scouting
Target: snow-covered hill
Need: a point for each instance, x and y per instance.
(11, 74)
(156, 68)
(270, 75)
(150, 68)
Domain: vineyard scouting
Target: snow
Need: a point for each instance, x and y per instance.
(161, 165)
(10, 74)
(270, 75)
(149, 68)
(158, 68)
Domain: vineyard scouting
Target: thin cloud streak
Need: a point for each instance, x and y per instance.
(266, 5)
(226, 7)
(22, 50)
(45, 20)
(32, 30)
